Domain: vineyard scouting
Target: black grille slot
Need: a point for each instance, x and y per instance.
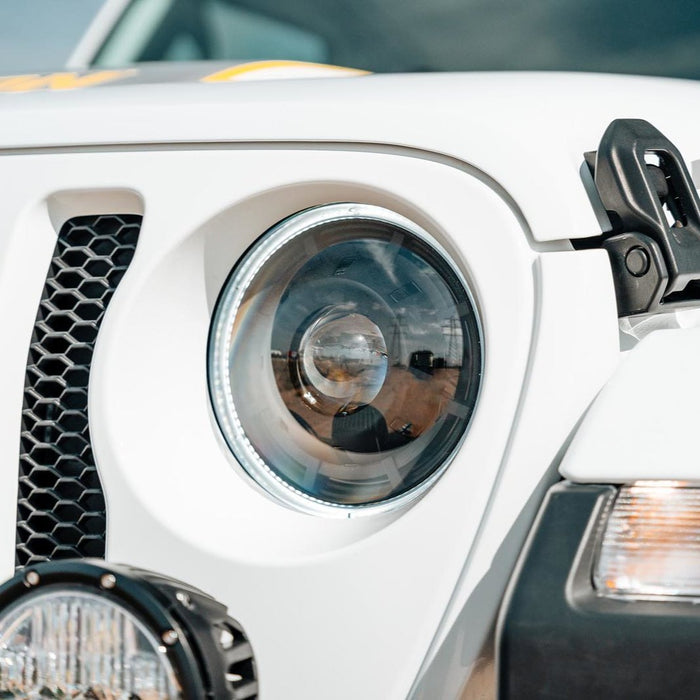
(61, 507)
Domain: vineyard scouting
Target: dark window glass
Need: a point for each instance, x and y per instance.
(414, 35)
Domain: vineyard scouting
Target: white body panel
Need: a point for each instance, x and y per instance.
(644, 424)
(527, 132)
(176, 501)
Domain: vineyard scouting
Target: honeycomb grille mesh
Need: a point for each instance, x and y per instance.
(61, 509)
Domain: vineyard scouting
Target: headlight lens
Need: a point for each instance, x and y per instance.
(75, 644)
(345, 359)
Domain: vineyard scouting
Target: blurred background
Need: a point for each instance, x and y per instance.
(41, 34)
(644, 37)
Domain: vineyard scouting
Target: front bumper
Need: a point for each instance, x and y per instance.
(559, 638)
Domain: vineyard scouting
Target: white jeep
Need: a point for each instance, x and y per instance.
(401, 370)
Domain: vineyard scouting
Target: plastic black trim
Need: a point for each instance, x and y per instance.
(654, 211)
(558, 638)
(61, 510)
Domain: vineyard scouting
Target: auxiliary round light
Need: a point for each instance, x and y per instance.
(87, 630)
(345, 360)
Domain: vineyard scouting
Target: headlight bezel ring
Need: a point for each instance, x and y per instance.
(232, 298)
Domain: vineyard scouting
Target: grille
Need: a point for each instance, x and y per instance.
(61, 507)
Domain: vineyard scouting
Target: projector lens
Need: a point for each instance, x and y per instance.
(345, 359)
(342, 362)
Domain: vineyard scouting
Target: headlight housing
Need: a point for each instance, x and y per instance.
(86, 629)
(345, 359)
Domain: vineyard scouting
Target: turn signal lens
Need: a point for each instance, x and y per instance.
(651, 542)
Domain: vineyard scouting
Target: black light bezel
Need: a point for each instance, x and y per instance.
(162, 604)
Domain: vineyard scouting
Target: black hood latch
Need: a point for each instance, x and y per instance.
(653, 206)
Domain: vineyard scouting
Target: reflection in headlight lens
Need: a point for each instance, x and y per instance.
(342, 362)
(345, 358)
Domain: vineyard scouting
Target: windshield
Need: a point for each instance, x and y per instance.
(644, 37)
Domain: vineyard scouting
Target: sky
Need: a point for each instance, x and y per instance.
(40, 34)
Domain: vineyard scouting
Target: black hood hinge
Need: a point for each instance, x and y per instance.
(653, 206)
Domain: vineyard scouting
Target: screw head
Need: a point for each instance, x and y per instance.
(31, 578)
(108, 581)
(184, 600)
(637, 261)
(226, 639)
(169, 637)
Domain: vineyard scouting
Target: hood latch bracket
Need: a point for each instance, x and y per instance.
(653, 206)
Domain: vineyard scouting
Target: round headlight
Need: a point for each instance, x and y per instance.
(41, 637)
(345, 359)
(85, 629)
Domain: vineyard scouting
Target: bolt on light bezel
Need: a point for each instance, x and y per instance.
(188, 623)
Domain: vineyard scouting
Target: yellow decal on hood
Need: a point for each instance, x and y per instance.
(261, 70)
(60, 81)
